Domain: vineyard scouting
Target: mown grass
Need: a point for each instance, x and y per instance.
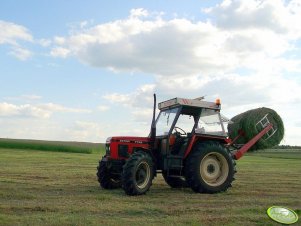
(53, 146)
(282, 154)
(45, 188)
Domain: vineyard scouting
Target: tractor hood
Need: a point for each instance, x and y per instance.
(131, 140)
(123, 147)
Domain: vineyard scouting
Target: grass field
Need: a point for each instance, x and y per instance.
(54, 188)
(53, 146)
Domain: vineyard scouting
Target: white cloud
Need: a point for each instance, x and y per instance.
(278, 16)
(20, 53)
(136, 13)
(31, 97)
(142, 97)
(58, 129)
(60, 52)
(260, 88)
(44, 42)
(139, 104)
(59, 108)
(103, 108)
(147, 43)
(86, 130)
(24, 98)
(59, 40)
(154, 46)
(123, 99)
(11, 33)
(83, 24)
(35, 128)
(25, 110)
(36, 111)
(143, 115)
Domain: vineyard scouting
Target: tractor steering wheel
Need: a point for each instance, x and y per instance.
(178, 128)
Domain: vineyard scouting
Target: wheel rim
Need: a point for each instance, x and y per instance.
(214, 169)
(142, 175)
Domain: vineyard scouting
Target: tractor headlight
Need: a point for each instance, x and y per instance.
(108, 149)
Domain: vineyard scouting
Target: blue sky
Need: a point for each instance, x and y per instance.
(83, 71)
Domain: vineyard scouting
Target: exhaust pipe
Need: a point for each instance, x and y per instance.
(153, 126)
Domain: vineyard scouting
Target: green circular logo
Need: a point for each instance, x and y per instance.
(282, 215)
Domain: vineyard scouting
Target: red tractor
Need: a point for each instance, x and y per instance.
(187, 143)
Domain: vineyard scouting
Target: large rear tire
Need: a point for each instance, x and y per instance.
(174, 181)
(138, 173)
(105, 178)
(210, 168)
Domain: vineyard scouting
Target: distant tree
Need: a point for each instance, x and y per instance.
(287, 147)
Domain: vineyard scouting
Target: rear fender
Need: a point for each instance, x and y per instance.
(196, 139)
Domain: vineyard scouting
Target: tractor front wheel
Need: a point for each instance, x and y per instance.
(105, 178)
(138, 173)
(210, 168)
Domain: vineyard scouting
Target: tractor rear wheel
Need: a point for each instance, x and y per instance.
(210, 168)
(138, 173)
(105, 178)
(174, 181)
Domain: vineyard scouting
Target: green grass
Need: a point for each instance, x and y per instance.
(46, 188)
(54, 146)
(282, 154)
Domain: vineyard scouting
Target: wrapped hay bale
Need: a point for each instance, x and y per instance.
(247, 121)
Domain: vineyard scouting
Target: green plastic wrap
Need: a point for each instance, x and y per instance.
(247, 121)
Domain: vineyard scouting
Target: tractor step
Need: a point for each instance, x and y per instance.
(174, 162)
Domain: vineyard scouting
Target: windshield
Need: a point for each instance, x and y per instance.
(165, 121)
(210, 123)
(185, 123)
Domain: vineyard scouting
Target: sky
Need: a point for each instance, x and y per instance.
(87, 70)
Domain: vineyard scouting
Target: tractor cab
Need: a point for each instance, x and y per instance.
(181, 120)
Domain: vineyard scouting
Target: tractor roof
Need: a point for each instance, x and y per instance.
(195, 103)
